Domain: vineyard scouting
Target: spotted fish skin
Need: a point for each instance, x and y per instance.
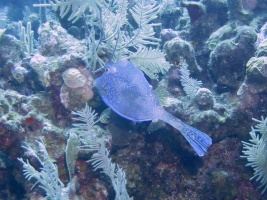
(124, 88)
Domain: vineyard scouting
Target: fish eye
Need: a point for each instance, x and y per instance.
(112, 70)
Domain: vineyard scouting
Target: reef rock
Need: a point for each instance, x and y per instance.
(228, 59)
(177, 48)
(57, 51)
(256, 76)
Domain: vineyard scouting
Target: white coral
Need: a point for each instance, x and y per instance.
(47, 176)
(3, 17)
(256, 152)
(190, 85)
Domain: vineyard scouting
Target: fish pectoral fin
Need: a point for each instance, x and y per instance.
(155, 125)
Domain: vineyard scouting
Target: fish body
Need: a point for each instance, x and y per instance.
(124, 88)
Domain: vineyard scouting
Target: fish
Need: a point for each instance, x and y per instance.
(124, 88)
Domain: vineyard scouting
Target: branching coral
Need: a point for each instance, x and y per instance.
(100, 159)
(78, 7)
(190, 85)
(47, 176)
(3, 17)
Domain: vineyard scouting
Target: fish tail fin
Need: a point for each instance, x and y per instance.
(197, 139)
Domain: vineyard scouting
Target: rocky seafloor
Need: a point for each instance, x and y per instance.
(225, 46)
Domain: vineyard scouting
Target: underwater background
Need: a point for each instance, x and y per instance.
(206, 62)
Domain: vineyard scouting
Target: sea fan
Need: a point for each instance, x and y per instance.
(77, 7)
(151, 61)
(47, 176)
(100, 159)
(189, 84)
(86, 119)
(128, 39)
(143, 14)
(113, 20)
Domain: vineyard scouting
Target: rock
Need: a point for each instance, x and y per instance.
(195, 10)
(204, 98)
(178, 48)
(261, 42)
(256, 76)
(11, 50)
(58, 51)
(227, 60)
(168, 34)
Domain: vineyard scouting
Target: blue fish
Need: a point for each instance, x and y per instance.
(124, 88)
